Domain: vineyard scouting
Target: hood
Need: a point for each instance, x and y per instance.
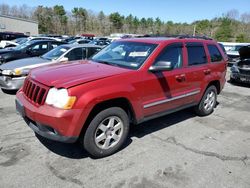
(74, 73)
(244, 52)
(26, 63)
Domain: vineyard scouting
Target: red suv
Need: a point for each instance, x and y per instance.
(128, 82)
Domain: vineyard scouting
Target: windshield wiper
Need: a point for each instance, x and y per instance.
(103, 62)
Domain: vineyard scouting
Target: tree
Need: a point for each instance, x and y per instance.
(224, 32)
(117, 20)
(61, 18)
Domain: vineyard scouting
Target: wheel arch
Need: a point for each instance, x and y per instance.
(121, 102)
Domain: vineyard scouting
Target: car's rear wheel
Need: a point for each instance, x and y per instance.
(107, 132)
(208, 102)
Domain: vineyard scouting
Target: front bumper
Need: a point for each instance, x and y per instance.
(9, 83)
(243, 78)
(49, 122)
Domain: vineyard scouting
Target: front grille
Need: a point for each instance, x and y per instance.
(34, 91)
(245, 72)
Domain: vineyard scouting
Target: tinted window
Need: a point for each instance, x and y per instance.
(214, 52)
(196, 54)
(92, 51)
(76, 54)
(172, 54)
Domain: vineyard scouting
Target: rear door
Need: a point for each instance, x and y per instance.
(197, 69)
(39, 48)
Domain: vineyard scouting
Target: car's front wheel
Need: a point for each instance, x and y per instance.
(208, 102)
(107, 132)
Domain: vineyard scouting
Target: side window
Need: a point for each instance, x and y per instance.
(35, 47)
(92, 51)
(196, 54)
(75, 54)
(214, 52)
(172, 54)
(54, 45)
(44, 46)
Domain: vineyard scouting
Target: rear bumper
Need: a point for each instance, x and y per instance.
(9, 83)
(240, 77)
(49, 122)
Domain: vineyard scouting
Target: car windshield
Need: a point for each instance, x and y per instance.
(125, 54)
(73, 41)
(55, 53)
(24, 45)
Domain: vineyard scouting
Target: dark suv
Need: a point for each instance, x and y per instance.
(128, 82)
(31, 48)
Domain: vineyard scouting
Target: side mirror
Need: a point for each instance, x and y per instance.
(64, 59)
(161, 66)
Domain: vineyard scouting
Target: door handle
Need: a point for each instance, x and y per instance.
(207, 71)
(181, 78)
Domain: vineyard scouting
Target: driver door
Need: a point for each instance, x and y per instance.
(166, 90)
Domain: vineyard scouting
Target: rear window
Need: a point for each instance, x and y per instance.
(214, 52)
(196, 54)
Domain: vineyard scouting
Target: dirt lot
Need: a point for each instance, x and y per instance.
(178, 150)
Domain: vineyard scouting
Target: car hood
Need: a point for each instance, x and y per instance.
(74, 73)
(26, 63)
(244, 52)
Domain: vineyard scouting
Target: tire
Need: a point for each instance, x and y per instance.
(106, 133)
(232, 81)
(208, 102)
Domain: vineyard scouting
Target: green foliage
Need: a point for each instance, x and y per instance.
(117, 20)
(242, 38)
(225, 31)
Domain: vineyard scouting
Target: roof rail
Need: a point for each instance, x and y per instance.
(179, 36)
(192, 37)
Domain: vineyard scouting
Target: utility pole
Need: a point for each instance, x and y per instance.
(194, 30)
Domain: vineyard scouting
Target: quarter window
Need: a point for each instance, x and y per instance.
(196, 54)
(215, 54)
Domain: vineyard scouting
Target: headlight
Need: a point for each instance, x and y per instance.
(15, 72)
(8, 72)
(59, 98)
(235, 69)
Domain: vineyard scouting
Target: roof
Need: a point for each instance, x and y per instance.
(82, 45)
(21, 19)
(157, 40)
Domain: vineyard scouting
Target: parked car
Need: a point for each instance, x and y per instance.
(13, 73)
(7, 44)
(29, 49)
(80, 41)
(232, 50)
(240, 71)
(129, 81)
(100, 41)
(11, 35)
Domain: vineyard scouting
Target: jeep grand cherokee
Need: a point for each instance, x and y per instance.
(128, 82)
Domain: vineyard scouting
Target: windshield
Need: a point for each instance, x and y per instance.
(129, 55)
(73, 42)
(55, 53)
